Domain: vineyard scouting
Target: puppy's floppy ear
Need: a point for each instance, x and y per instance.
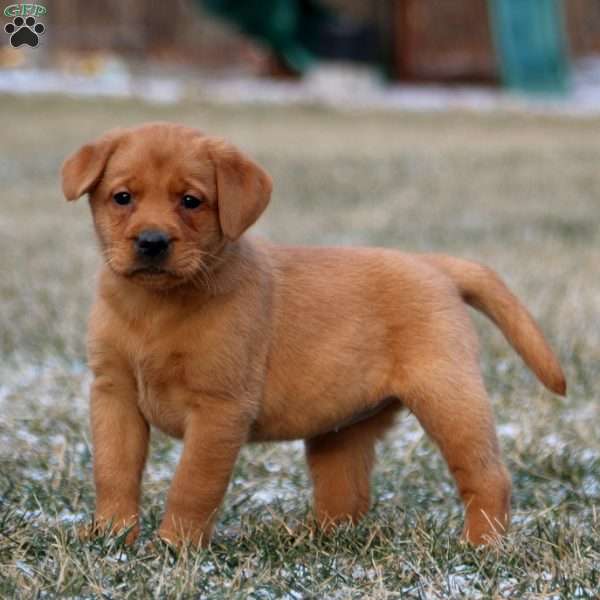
(82, 170)
(243, 188)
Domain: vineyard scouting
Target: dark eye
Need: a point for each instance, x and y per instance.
(122, 198)
(190, 202)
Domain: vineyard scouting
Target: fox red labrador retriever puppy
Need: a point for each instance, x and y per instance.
(220, 339)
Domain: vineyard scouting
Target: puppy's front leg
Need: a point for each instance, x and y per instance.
(213, 437)
(120, 440)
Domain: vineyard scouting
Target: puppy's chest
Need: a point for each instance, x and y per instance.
(178, 363)
(163, 396)
(173, 375)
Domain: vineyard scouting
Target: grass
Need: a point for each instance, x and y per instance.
(518, 193)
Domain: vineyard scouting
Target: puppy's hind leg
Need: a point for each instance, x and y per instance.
(449, 400)
(340, 464)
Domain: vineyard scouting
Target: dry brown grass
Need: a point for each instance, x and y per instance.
(518, 193)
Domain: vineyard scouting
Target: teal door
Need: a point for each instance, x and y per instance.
(531, 46)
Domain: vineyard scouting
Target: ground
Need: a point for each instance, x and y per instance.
(516, 192)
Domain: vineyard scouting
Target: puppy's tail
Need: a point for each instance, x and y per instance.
(483, 289)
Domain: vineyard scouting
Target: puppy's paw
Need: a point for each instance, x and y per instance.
(178, 539)
(160, 546)
(484, 532)
(179, 532)
(327, 524)
(87, 532)
(170, 537)
(128, 529)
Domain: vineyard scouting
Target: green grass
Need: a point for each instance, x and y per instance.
(518, 193)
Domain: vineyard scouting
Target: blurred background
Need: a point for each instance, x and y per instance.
(385, 52)
(468, 127)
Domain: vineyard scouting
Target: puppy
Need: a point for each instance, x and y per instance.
(219, 340)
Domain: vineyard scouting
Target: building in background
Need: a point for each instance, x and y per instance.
(526, 44)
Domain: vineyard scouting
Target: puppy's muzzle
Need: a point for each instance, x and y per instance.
(152, 245)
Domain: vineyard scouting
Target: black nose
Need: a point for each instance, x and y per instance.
(152, 243)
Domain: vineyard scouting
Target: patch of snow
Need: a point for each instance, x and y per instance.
(503, 366)
(164, 469)
(334, 85)
(591, 485)
(590, 454)
(48, 379)
(24, 568)
(57, 440)
(507, 585)
(272, 467)
(111, 84)
(118, 557)
(407, 434)
(66, 516)
(208, 568)
(461, 583)
(29, 514)
(159, 91)
(27, 437)
(554, 441)
(359, 572)
(509, 430)
(37, 474)
(272, 491)
(350, 87)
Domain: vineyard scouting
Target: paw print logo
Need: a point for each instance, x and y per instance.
(24, 31)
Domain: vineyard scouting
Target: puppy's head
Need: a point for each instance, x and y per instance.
(166, 199)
